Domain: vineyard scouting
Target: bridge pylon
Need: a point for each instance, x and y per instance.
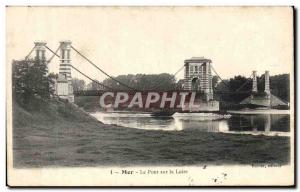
(40, 50)
(267, 84)
(198, 76)
(64, 81)
(265, 99)
(254, 82)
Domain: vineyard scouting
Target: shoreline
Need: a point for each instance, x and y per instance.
(260, 111)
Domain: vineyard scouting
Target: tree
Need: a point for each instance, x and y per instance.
(157, 82)
(30, 80)
(78, 84)
(279, 85)
(94, 86)
(240, 87)
(215, 80)
(180, 85)
(237, 82)
(51, 78)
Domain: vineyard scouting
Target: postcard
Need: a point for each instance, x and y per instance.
(150, 96)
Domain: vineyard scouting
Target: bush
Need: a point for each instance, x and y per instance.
(30, 81)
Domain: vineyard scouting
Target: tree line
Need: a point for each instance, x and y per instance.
(279, 86)
(162, 81)
(30, 79)
(228, 90)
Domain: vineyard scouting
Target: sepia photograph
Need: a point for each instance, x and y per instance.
(150, 96)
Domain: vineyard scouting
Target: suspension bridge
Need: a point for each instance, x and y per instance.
(198, 73)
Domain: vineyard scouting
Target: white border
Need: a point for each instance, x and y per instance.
(105, 2)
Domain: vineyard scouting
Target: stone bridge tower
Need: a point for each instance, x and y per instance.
(64, 81)
(198, 76)
(40, 50)
(267, 84)
(254, 82)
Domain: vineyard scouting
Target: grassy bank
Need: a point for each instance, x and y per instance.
(39, 130)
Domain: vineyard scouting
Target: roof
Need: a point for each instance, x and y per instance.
(197, 60)
(40, 43)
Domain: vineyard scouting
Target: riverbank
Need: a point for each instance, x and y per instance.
(60, 134)
(42, 132)
(259, 111)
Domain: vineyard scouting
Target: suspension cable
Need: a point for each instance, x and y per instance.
(54, 54)
(236, 91)
(244, 83)
(220, 77)
(102, 70)
(173, 75)
(91, 78)
(179, 70)
(217, 91)
(52, 51)
(82, 72)
(30, 52)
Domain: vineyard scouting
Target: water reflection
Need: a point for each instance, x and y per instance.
(261, 122)
(266, 124)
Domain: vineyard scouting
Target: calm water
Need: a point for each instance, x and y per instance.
(255, 124)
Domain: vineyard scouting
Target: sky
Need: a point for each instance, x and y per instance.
(132, 40)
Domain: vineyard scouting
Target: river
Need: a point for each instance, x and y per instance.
(254, 124)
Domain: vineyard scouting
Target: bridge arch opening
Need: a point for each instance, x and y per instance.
(195, 84)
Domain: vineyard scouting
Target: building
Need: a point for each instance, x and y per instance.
(198, 76)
